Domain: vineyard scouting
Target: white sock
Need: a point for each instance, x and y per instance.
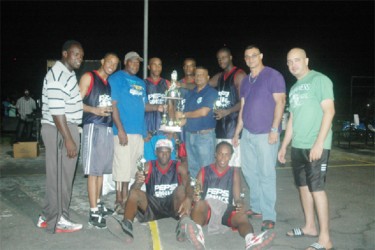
(98, 200)
(94, 209)
(248, 237)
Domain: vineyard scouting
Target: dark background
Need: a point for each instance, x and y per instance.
(337, 35)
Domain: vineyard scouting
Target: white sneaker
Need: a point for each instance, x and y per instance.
(194, 233)
(66, 226)
(260, 241)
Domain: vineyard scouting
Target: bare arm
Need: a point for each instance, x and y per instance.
(328, 108)
(201, 112)
(239, 126)
(287, 139)
(236, 185)
(84, 85)
(214, 80)
(278, 114)
(185, 207)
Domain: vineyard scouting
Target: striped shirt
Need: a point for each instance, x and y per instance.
(60, 95)
(25, 106)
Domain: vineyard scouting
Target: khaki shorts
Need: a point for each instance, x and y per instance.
(235, 161)
(125, 158)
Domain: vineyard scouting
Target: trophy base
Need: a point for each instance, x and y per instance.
(166, 128)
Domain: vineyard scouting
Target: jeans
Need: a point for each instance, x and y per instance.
(200, 150)
(258, 159)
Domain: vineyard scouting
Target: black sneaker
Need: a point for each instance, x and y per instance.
(103, 210)
(127, 227)
(96, 219)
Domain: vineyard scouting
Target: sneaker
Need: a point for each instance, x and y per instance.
(180, 231)
(250, 213)
(267, 225)
(96, 219)
(103, 210)
(42, 222)
(193, 232)
(66, 226)
(260, 241)
(127, 227)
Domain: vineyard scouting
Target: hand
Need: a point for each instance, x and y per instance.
(148, 137)
(185, 207)
(179, 115)
(316, 152)
(235, 141)
(220, 113)
(273, 137)
(103, 111)
(122, 137)
(140, 177)
(160, 108)
(281, 155)
(71, 148)
(240, 206)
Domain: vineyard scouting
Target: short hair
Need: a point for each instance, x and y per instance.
(190, 59)
(226, 144)
(253, 46)
(68, 44)
(201, 67)
(111, 54)
(224, 49)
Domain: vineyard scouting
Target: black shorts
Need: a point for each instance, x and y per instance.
(306, 173)
(158, 208)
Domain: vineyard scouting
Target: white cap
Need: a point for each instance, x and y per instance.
(133, 55)
(164, 143)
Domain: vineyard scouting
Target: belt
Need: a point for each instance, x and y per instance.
(204, 131)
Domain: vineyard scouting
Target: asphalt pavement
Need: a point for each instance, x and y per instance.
(350, 189)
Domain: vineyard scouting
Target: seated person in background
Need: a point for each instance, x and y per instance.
(217, 188)
(168, 192)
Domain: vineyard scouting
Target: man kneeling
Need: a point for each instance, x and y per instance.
(217, 186)
(168, 192)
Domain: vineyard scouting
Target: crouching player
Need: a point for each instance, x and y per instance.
(168, 192)
(218, 204)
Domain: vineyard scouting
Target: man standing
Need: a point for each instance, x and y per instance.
(262, 96)
(97, 142)
(168, 192)
(62, 113)
(188, 81)
(25, 107)
(309, 128)
(155, 90)
(199, 122)
(220, 186)
(227, 107)
(128, 103)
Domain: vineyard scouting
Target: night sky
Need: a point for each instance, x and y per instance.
(337, 35)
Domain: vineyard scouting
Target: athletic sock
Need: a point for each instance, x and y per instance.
(248, 237)
(95, 209)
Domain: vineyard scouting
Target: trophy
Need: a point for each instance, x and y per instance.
(168, 124)
(141, 165)
(197, 187)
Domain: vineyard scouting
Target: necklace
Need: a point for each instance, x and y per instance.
(251, 79)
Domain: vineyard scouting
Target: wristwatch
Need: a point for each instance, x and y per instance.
(274, 130)
(183, 116)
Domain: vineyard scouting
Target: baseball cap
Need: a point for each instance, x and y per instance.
(133, 55)
(164, 143)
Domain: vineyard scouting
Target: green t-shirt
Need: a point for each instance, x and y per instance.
(304, 99)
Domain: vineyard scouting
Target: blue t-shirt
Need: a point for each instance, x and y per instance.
(196, 100)
(130, 93)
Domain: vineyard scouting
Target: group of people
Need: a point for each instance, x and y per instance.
(228, 121)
